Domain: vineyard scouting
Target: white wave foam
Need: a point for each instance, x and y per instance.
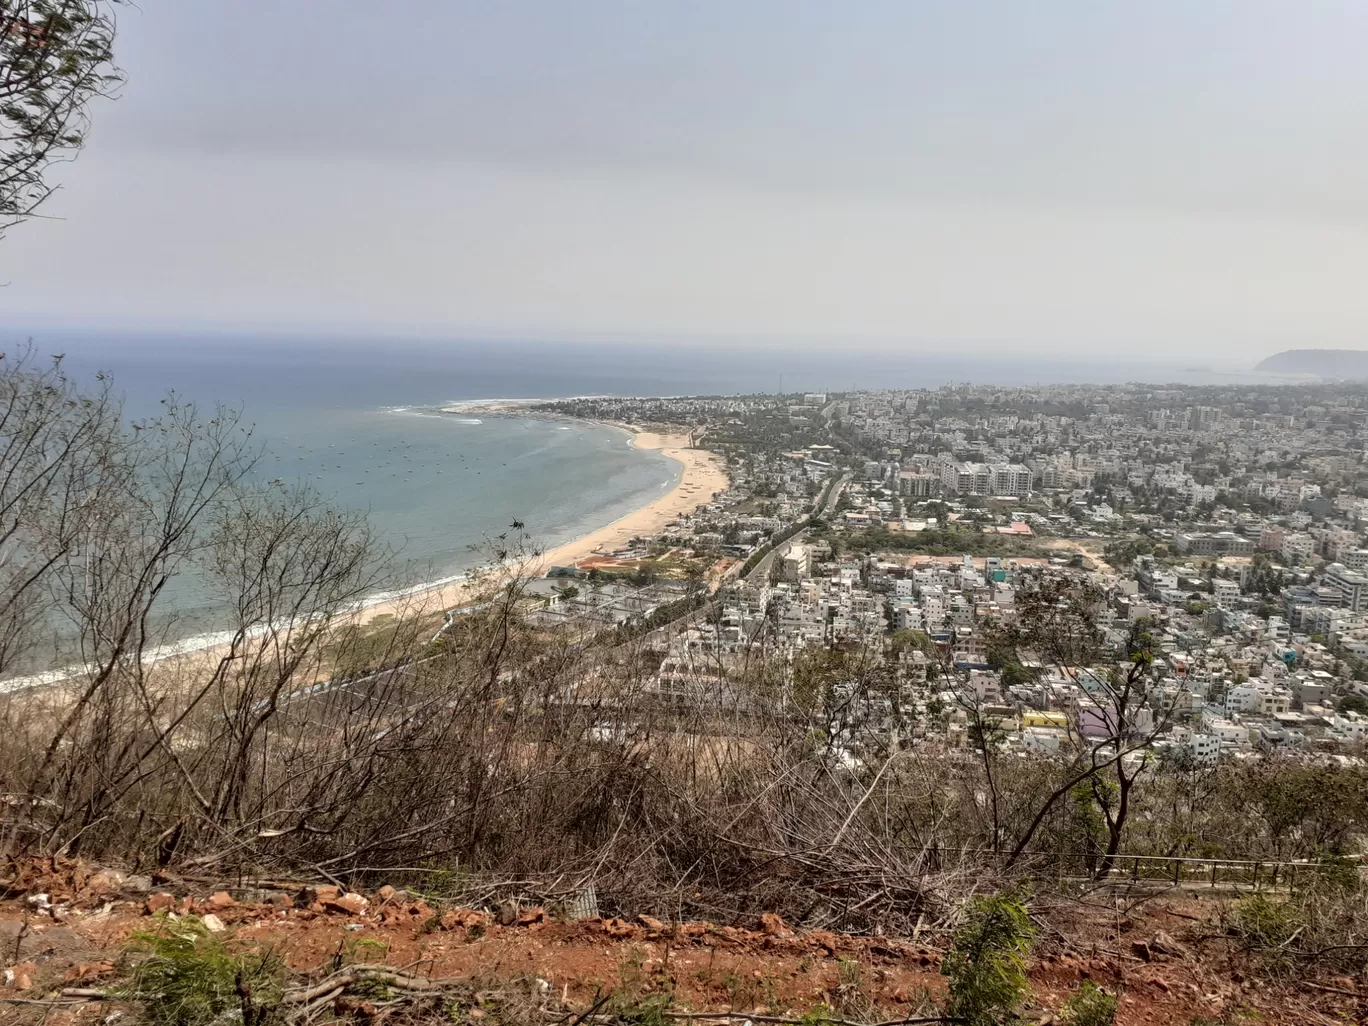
(185, 646)
(212, 639)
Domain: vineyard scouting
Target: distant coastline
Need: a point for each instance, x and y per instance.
(1317, 364)
(701, 476)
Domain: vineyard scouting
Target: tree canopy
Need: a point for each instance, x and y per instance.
(55, 57)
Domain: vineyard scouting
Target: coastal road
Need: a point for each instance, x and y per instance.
(363, 685)
(761, 568)
(818, 510)
(834, 497)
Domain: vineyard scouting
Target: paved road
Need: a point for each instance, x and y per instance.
(361, 688)
(835, 496)
(762, 568)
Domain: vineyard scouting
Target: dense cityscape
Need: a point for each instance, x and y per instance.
(1226, 522)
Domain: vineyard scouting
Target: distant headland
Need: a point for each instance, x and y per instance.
(1319, 363)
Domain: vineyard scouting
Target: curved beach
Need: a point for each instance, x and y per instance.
(702, 476)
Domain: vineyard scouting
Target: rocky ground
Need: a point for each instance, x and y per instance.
(64, 930)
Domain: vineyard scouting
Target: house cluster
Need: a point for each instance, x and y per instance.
(1137, 448)
(1226, 522)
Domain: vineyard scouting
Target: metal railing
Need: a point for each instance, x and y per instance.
(1174, 870)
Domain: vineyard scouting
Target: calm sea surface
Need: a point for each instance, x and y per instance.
(359, 425)
(355, 419)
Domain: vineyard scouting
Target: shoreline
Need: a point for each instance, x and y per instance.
(701, 475)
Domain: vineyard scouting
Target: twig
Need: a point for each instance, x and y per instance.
(1332, 990)
(19, 937)
(799, 1022)
(325, 873)
(1295, 934)
(305, 996)
(599, 1002)
(306, 1010)
(91, 994)
(356, 973)
(1183, 915)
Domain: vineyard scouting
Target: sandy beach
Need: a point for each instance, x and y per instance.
(703, 475)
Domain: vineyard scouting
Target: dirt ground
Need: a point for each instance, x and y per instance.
(1168, 964)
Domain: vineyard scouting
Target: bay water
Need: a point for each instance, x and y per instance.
(361, 425)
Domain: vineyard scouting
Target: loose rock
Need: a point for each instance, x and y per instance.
(773, 926)
(351, 904)
(1166, 945)
(105, 881)
(220, 899)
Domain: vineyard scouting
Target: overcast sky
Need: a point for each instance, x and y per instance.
(1186, 176)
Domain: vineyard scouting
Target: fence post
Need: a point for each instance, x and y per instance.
(1213, 875)
(1176, 865)
(1255, 884)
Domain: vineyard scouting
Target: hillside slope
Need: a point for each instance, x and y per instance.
(350, 958)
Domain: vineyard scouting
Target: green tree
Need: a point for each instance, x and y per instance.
(55, 57)
(185, 976)
(1091, 1006)
(1003, 658)
(1354, 704)
(646, 572)
(987, 961)
(909, 638)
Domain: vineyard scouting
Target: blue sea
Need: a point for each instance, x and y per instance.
(356, 418)
(361, 425)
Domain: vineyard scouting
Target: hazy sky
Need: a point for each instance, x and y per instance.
(1186, 176)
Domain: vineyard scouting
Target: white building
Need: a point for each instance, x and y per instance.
(1298, 547)
(794, 565)
(1225, 593)
(1204, 749)
(986, 479)
(1225, 731)
(1258, 698)
(1351, 586)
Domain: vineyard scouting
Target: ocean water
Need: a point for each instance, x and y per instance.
(361, 426)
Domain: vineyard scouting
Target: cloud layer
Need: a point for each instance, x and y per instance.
(1064, 177)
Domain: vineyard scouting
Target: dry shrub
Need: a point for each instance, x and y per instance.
(497, 752)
